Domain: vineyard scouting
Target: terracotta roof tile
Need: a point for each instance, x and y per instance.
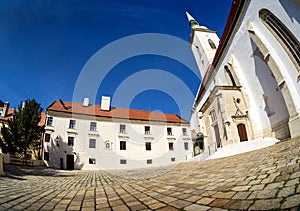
(123, 113)
(11, 111)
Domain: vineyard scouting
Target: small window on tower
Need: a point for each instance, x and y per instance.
(212, 44)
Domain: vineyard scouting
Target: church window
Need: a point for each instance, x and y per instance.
(212, 44)
(230, 76)
(285, 37)
(213, 116)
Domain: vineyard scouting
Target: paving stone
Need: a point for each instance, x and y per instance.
(193, 198)
(180, 204)
(264, 194)
(157, 205)
(167, 208)
(252, 180)
(219, 202)
(205, 201)
(241, 195)
(287, 191)
(196, 207)
(295, 175)
(241, 188)
(274, 185)
(238, 204)
(292, 182)
(298, 189)
(224, 195)
(266, 204)
(257, 187)
(291, 201)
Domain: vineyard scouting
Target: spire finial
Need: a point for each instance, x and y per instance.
(192, 21)
(188, 15)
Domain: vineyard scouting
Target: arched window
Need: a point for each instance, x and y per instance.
(212, 44)
(230, 76)
(213, 116)
(287, 40)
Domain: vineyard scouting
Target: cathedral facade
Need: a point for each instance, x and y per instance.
(250, 85)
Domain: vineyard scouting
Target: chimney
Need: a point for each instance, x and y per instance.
(5, 109)
(86, 102)
(23, 104)
(105, 103)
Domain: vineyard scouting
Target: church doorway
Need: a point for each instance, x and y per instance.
(242, 132)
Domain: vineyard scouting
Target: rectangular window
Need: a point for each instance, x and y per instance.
(72, 124)
(46, 156)
(49, 121)
(171, 146)
(92, 161)
(147, 130)
(122, 128)
(172, 159)
(169, 131)
(148, 146)
(122, 145)
(122, 161)
(184, 132)
(186, 146)
(92, 143)
(149, 161)
(93, 126)
(70, 141)
(47, 137)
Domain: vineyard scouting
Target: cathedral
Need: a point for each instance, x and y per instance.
(250, 76)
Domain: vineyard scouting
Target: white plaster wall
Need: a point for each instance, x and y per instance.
(135, 153)
(251, 72)
(207, 53)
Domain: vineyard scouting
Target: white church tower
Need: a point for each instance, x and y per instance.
(204, 43)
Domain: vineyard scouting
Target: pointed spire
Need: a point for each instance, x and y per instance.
(188, 15)
(192, 21)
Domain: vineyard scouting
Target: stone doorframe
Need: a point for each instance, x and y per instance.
(289, 98)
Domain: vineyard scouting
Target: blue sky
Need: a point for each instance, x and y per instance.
(44, 46)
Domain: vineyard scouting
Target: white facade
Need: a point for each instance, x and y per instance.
(264, 69)
(97, 142)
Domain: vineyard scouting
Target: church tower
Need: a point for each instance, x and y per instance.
(204, 43)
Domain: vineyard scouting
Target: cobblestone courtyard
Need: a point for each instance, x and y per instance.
(263, 179)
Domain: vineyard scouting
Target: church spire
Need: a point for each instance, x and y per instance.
(193, 23)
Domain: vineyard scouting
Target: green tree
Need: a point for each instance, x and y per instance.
(23, 131)
(10, 136)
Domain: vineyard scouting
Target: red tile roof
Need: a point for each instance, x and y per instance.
(11, 111)
(235, 11)
(123, 113)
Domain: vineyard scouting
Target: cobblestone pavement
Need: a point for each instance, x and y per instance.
(259, 180)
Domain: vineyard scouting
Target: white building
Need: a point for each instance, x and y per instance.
(250, 77)
(84, 136)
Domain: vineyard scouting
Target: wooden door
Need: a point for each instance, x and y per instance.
(242, 132)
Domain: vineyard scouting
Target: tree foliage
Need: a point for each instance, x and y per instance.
(22, 131)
